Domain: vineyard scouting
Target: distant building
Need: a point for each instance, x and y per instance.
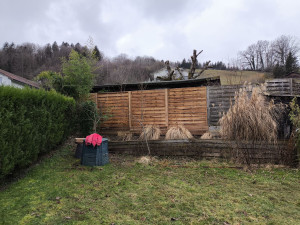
(164, 73)
(293, 75)
(9, 79)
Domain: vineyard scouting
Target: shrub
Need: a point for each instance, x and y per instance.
(86, 111)
(32, 122)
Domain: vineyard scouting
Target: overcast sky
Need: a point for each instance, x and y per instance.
(164, 29)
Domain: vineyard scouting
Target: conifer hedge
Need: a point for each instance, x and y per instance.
(32, 122)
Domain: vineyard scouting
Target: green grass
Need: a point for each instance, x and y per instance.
(60, 191)
(229, 77)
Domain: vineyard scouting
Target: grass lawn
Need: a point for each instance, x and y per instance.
(60, 191)
(230, 77)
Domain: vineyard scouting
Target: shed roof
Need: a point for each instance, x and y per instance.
(19, 79)
(157, 85)
(293, 75)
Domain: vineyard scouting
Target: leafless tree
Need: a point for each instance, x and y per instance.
(282, 46)
(264, 55)
(194, 63)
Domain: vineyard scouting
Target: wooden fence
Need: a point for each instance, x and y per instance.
(219, 99)
(163, 107)
(283, 87)
(194, 107)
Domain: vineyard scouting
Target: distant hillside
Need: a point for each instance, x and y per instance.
(231, 77)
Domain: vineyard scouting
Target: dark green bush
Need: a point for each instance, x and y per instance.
(86, 112)
(32, 122)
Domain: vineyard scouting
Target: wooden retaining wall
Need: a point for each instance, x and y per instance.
(163, 107)
(262, 153)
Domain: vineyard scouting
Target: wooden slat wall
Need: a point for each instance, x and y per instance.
(188, 107)
(116, 105)
(283, 87)
(279, 86)
(163, 107)
(148, 107)
(219, 99)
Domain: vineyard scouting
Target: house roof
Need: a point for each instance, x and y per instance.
(19, 79)
(293, 75)
(157, 85)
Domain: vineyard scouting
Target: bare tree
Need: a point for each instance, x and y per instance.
(194, 63)
(249, 57)
(264, 55)
(282, 46)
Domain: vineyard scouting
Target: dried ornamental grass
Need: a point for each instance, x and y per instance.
(178, 132)
(207, 135)
(146, 160)
(251, 118)
(150, 132)
(125, 135)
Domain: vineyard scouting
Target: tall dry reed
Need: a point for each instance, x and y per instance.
(251, 118)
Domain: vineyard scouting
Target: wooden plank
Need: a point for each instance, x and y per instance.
(149, 109)
(167, 107)
(129, 109)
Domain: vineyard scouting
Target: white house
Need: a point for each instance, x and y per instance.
(164, 72)
(9, 79)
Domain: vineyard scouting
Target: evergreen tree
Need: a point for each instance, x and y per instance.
(279, 71)
(291, 64)
(97, 54)
(55, 48)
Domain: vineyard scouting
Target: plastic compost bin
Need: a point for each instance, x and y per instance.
(95, 156)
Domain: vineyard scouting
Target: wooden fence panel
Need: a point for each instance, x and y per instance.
(283, 87)
(188, 107)
(147, 107)
(116, 106)
(219, 99)
(164, 107)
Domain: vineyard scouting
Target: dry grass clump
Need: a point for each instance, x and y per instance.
(251, 118)
(178, 132)
(125, 135)
(146, 160)
(150, 132)
(206, 135)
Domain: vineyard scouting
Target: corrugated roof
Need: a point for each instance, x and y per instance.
(158, 85)
(20, 79)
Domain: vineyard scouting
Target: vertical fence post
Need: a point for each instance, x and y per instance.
(208, 106)
(167, 106)
(291, 86)
(129, 109)
(96, 99)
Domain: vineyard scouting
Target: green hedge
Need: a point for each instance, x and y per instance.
(31, 122)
